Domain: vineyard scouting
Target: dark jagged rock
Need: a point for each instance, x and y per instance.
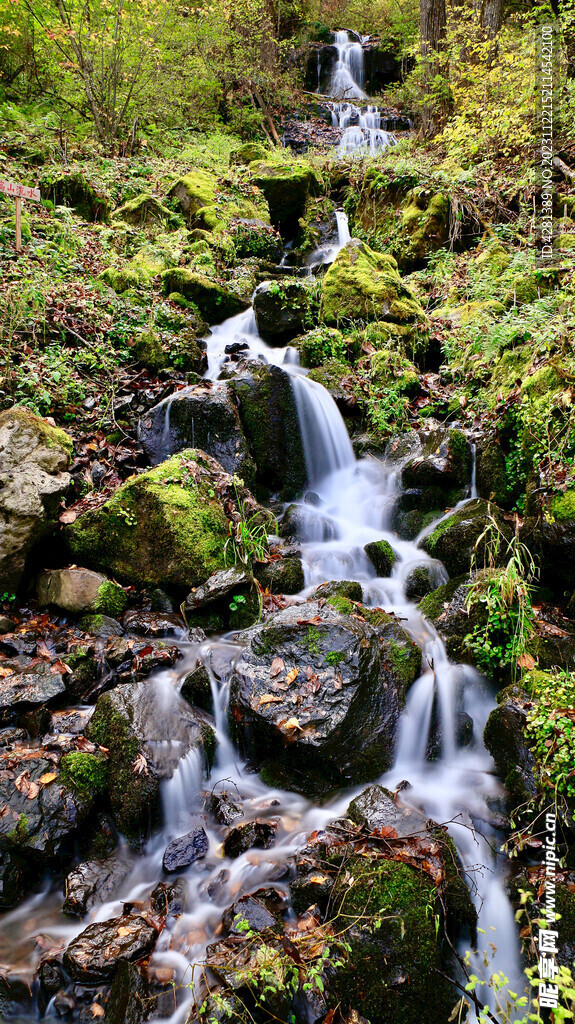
(202, 416)
(94, 956)
(284, 576)
(92, 883)
(269, 418)
(223, 808)
(186, 850)
(375, 808)
(506, 740)
(262, 910)
(252, 834)
(154, 624)
(350, 590)
(30, 688)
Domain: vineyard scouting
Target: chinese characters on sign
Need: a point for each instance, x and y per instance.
(19, 192)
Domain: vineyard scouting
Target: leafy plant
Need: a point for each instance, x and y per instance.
(551, 729)
(248, 536)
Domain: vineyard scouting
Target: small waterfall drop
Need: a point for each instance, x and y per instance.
(361, 125)
(325, 439)
(348, 75)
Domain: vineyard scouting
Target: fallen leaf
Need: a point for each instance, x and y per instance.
(22, 782)
(123, 931)
(97, 1010)
(33, 791)
(526, 661)
(47, 778)
(85, 745)
(292, 723)
(292, 674)
(268, 698)
(140, 765)
(6, 672)
(277, 666)
(67, 517)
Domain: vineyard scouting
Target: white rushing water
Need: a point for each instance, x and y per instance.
(360, 124)
(352, 505)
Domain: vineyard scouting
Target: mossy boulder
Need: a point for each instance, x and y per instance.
(269, 418)
(448, 607)
(81, 590)
(365, 285)
(214, 301)
(135, 274)
(248, 153)
(493, 261)
(436, 458)
(396, 956)
(460, 538)
(381, 555)
(491, 472)
(337, 378)
(165, 527)
(549, 530)
(388, 367)
(89, 201)
(424, 226)
(284, 576)
(286, 187)
(281, 308)
(134, 723)
(149, 351)
(194, 191)
(321, 345)
(144, 211)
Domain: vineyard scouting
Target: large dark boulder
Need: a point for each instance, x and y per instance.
(202, 416)
(505, 737)
(94, 956)
(286, 187)
(281, 309)
(269, 418)
(320, 692)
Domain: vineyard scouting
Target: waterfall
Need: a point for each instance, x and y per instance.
(365, 133)
(326, 443)
(348, 75)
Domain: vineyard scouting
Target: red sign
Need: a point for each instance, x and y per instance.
(10, 188)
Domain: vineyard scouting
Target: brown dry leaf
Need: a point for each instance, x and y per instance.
(61, 667)
(33, 791)
(140, 765)
(277, 666)
(67, 517)
(47, 778)
(292, 674)
(6, 672)
(22, 782)
(268, 698)
(526, 661)
(85, 745)
(318, 879)
(123, 931)
(292, 723)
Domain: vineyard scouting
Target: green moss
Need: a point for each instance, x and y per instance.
(322, 344)
(162, 528)
(432, 604)
(563, 505)
(149, 352)
(424, 224)
(331, 375)
(382, 556)
(248, 153)
(19, 834)
(494, 261)
(341, 604)
(86, 774)
(195, 190)
(311, 640)
(286, 187)
(364, 285)
(334, 658)
(144, 210)
(214, 301)
(111, 599)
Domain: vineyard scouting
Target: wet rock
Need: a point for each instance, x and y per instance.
(438, 458)
(375, 808)
(34, 458)
(382, 556)
(80, 590)
(17, 875)
(327, 688)
(218, 586)
(160, 601)
(30, 688)
(420, 580)
(70, 722)
(491, 472)
(456, 542)
(223, 808)
(95, 954)
(118, 651)
(42, 812)
(252, 834)
(284, 576)
(301, 522)
(6, 625)
(169, 898)
(227, 600)
(154, 624)
(186, 850)
(92, 883)
(269, 418)
(262, 910)
(447, 607)
(150, 654)
(349, 590)
(165, 527)
(365, 285)
(102, 626)
(506, 740)
(202, 416)
(133, 722)
(281, 309)
(129, 1000)
(12, 735)
(196, 689)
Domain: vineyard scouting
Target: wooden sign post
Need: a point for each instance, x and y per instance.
(20, 192)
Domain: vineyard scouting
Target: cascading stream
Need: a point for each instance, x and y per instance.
(360, 124)
(352, 506)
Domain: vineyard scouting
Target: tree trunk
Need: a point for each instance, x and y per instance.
(432, 25)
(492, 17)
